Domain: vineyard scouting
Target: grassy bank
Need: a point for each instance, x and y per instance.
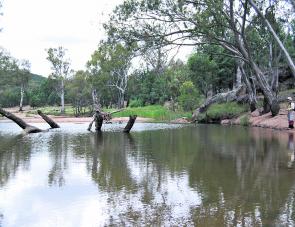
(156, 112)
(218, 112)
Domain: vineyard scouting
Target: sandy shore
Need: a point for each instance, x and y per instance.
(35, 118)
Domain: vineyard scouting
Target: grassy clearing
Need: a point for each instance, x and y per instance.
(53, 110)
(217, 112)
(156, 112)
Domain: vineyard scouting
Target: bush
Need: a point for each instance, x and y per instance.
(218, 112)
(136, 103)
(189, 97)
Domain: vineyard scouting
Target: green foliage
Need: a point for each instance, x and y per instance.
(108, 67)
(136, 103)
(217, 112)
(44, 94)
(211, 70)
(189, 97)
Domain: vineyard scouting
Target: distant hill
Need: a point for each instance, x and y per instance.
(36, 80)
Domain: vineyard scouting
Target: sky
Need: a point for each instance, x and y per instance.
(29, 27)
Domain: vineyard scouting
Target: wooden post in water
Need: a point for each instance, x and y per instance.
(130, 123)
(48, 120)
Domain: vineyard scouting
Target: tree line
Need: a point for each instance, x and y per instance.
(236, 43)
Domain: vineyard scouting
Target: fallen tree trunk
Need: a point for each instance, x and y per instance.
(48, 120)
(130, 123)
(230, 96)
(26, 127)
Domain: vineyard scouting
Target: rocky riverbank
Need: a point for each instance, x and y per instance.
(279, 122)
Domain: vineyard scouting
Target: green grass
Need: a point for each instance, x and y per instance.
(217, 112)
(157, 112)
(54, 110)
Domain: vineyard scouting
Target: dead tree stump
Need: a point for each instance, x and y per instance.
(130, 123)
(48, 120)
(98, 122)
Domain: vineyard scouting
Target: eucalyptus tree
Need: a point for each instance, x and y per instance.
(112, 62)
(60, 66)
(23, 76)
(193, 23)
(276, 37)
(14, 75)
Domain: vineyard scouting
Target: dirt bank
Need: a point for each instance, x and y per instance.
(279, 122)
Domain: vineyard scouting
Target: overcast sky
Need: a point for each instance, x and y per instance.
(31, 26)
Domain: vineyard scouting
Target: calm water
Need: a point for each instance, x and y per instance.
(203, 175)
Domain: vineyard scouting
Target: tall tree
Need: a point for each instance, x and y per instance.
(113, 61)
(276, 37)
(23, 76)
(60, 70)
(181, 22)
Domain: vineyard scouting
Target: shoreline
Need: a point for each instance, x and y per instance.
(254, 119)
(65, 119)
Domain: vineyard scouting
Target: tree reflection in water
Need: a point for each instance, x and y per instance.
(15, 152)
(204, 175)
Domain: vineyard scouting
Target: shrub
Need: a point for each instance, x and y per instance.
(136, 103)
(189, 97)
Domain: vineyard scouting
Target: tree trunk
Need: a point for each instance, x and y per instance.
(250, 89)
(130, 123)
(238, 79)
(95, 100)
(98, 122)
(121, 99)
(281, 45)
(240, 40)
(26, 127)
(48, 120)
(218, 98)
(266, 90)
(22, 91)
(62, 97)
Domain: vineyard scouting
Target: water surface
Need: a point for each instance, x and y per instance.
(160, 174)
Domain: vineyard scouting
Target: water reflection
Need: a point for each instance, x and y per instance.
(204, 175)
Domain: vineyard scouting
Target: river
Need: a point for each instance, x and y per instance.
(159, 174)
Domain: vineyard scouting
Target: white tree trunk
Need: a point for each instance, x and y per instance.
(62, 97)
(22, 91)
(238, 79)
(95, 100)
(281, 45)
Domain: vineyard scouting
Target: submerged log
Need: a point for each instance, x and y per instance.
(48, 120)
(26, 127)
(130, 123)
